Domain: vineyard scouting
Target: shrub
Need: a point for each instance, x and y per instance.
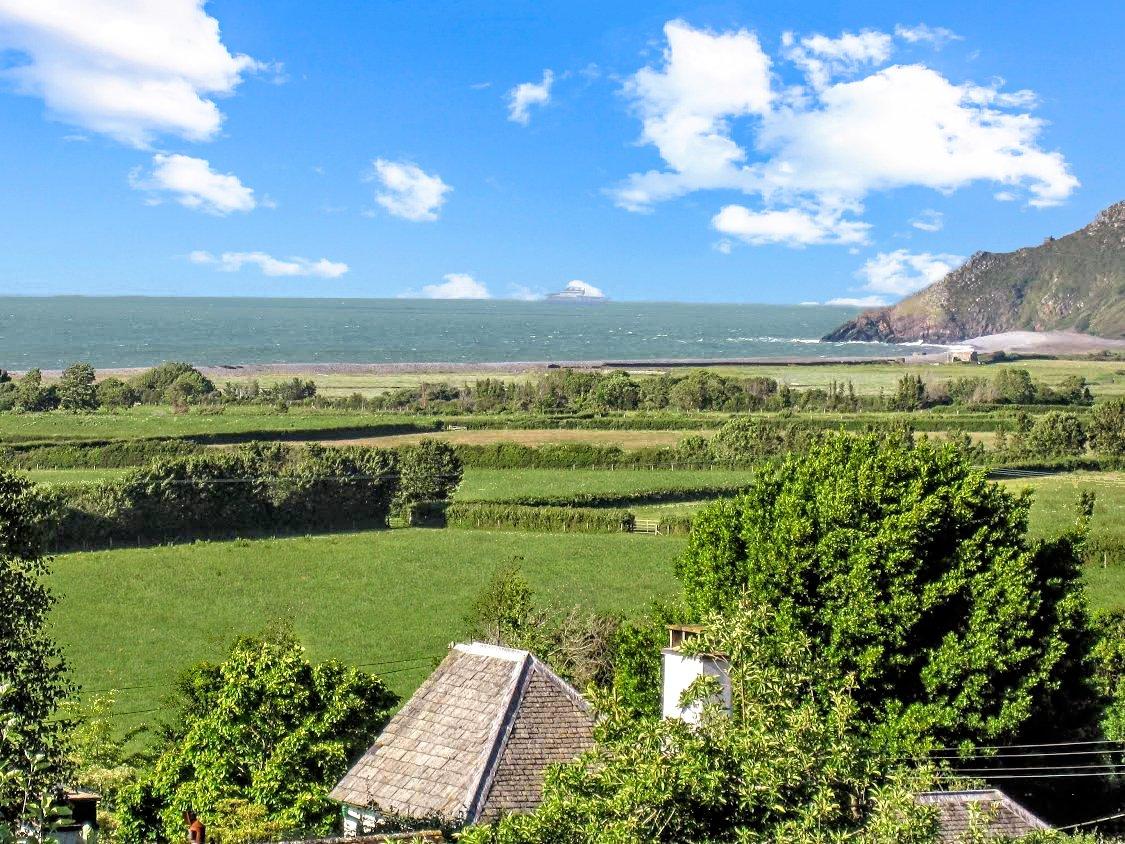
(152, 385)
(1056, 434)
(32, 396)
(77, 392)
(1107, 428)
(115, 393)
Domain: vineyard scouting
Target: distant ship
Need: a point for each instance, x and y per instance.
(578, 291)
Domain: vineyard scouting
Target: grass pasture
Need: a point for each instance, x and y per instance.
(133, 619)
(506, 484)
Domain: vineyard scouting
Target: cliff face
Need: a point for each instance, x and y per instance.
(1074, 283)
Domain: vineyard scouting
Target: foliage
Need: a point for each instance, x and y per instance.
(786, 765)
(156, 385)
(428, 472)
(1107, 428)
(576, 643)
(636, 660)
(255, 488)
(748, 439)
(914, 574)
(32, 396)
(94, 455)
(266, 726)
(32, 673)
(115, 394)
(497, 514)
(1056, 434)
(76, 389)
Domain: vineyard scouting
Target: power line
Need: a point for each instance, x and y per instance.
(1025, 746)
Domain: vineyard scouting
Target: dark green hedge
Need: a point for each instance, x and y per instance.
(250, 491)
(604, 499)
(111, 454)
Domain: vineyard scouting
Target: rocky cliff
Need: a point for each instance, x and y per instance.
(1072, 283)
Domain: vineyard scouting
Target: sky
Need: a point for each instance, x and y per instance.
(725, 152)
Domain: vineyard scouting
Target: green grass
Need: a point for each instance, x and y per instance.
(156, 421)
(138, 617)
(1053, 507)
(73, 476)
(504, 484)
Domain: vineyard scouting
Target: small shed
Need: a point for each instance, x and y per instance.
(472, 743)
(990, 813)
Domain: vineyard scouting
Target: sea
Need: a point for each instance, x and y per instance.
(52, 332)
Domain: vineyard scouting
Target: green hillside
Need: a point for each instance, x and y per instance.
(1072, 283)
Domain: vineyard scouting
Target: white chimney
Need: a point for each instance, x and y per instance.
(680, 671)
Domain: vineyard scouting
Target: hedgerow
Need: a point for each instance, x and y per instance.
(491, 514)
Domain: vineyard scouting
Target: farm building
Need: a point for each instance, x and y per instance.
(473, 742)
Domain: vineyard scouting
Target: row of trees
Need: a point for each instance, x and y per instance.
(1059, 434)
(558, 391)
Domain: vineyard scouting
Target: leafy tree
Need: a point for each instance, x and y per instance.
(189, 388)
(617, 391)
(1073, 389)
(76, 389)
(153, 384)
(32, 396)
(32, 671)
(1107, 427)
(747, 439)
(786, 765)
(266, 727)
(913, 574)
(115, 393)
(578, 645)
(1056, 434)
(428, 472)
(910, 394)
(1014, 386)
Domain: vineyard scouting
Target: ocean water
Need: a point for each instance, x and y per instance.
(52, 332)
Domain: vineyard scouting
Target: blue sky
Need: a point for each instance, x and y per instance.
(709, 152)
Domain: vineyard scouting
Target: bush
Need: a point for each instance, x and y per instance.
(95, 455)
(1107, 428)
(152, 385)
(77, 392)
(1056, 434)
(256, 489)
(115, 393)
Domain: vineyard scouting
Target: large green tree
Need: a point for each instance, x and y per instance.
(266, 727)
(32, 672)
(912, 573)
(787, 764)
(77, 392)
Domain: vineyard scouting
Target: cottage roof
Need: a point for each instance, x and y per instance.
(473, 741)
(989, 811)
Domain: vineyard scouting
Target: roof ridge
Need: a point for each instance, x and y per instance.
(499, 737)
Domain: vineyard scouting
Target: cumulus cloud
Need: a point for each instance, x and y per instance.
(528, 94)
(938, 36)
(192, 183)
(707, 79)
(929, 221)
(232, 262)
(408, 191)
(822, 58)
(815, 152)
(454, 286)
(128, 70)
(792, 226)
(900, 272)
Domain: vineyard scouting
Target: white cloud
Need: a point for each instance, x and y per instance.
(857, 302)
(938, 36)
(528, 94)
(193, 184)
(929, 221)
(685, 108)
(130, 70)
(900, 272)
(815, 153)
(455, 286)
(723, 247)
(792, 226)
(234, 261)
(408, 191)
(821, 57)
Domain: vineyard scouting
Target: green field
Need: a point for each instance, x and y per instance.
(504, 484)
(1053, 507)
(133, 619)
(73, 476)
(159, 421)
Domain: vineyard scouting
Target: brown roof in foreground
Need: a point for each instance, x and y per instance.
(990, 812)
(474, 741)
